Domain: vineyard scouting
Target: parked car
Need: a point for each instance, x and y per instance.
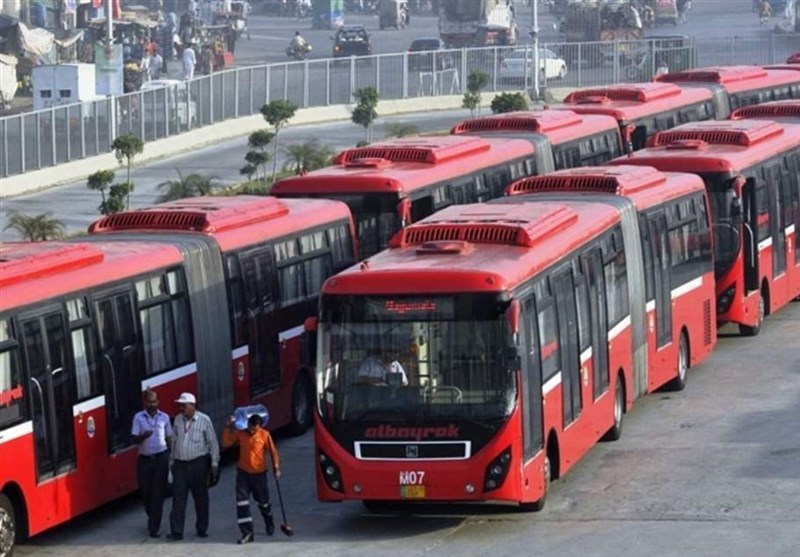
(351, 40)
(519, 64)
(423, 54)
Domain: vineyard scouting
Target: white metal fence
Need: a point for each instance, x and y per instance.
(57, 135)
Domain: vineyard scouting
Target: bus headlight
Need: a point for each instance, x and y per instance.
(497, 471)
(725, 299)
(331, 473)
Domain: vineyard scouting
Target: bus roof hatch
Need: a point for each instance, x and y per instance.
(619, 180)
(719, 132)
(633, 92)
(535, 121)
(430, 150)
(775, 109)
(715, 74)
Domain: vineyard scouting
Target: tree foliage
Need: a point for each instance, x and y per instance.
(35, 228)
(113, 196)
(277, 113)
(258, 156)
(366, 110)
(509, 102)
(191, 185)
(477, 80)
(126, 148)
(307, 156)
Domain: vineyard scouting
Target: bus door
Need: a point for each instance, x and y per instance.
(593, 270)
(50, 377)
(259, 278)
(122, 363)
(659, 244)
(776, 197)
(533, 436)
(564, 292)
(750, 230)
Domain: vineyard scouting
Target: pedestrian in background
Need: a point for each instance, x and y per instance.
(195, 454)
(251, 472)
(189, 62)
(152, 432)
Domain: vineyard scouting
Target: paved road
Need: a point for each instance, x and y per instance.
(711, 471)
(75, 205)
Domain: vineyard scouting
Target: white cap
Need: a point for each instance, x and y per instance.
(186, 398)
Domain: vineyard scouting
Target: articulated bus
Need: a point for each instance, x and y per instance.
(516, 331)
(744, 85)
(562, 139)
(644, 109)
(778, 111)
(161, 298)
(751, 169)
(391, 183)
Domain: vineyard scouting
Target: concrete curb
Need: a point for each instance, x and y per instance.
(222, 131)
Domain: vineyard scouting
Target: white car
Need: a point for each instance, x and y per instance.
(518, 65)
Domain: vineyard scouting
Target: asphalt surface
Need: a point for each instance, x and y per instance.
(711, 471)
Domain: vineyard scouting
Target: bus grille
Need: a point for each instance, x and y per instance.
(412, 450)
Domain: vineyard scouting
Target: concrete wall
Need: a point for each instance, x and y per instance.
(171, 146)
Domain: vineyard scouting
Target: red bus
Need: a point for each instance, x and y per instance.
(85, 327)
(794, 58)
(391, 183)
(751, 169)
(779, 111)
(744, 85)
(644, 109)
(516, 332)
(562, 139)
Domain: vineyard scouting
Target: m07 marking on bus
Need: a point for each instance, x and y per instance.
(412, 477)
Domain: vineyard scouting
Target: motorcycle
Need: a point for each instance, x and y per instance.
(298, 53)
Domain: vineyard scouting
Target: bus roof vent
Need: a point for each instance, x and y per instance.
(537, 121)
(618, 180)
(196, 214)
(634, 92)
(372, 162)
(20, 261)
(429, 150)
(715, 74)
(515, 225)
(776, 109)
(720, 132)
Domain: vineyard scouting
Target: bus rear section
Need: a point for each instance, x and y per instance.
(751, 170)
(390, 184)
(84, 328)
(443, 372)
(673, 224)
(644, 109)
(271, 257)
(744, 85)
(562, 139)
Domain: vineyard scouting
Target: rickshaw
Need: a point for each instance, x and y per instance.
(393, 13)
(236, 18)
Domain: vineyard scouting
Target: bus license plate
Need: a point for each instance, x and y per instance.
(412, 491)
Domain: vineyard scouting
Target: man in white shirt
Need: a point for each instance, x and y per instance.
(189, 62)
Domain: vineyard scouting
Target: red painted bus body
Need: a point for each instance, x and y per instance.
(562, 139)
(744, 85)
(751, 169)
(392, 183)
(162, 298)
(643, 109)
(495, 398)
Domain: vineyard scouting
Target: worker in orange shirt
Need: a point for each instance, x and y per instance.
(251, 472)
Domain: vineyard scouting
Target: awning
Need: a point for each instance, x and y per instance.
(36, 41)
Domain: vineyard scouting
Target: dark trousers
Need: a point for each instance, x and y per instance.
(256, 484)
(191, 475)
(151, 473)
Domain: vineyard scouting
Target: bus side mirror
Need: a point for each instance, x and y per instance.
(310, 325)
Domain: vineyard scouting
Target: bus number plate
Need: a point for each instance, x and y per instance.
(412, 491)
(411, 486)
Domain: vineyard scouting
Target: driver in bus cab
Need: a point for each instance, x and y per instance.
(373, 371)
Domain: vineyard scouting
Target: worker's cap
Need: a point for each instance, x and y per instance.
(186, 398)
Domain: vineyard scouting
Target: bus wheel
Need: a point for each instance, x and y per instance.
(8, 528)
(537, 506)
(748, 331)
(619, 411)
(679, 383)
(301, 406)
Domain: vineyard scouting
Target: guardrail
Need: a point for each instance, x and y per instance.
(72, 132)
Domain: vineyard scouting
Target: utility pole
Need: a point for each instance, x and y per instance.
(109, 28)
(535, 36)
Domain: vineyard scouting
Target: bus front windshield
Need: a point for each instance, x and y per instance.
(727, 232)
(418, 359)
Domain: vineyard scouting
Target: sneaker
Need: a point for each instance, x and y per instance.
(247, 538)
(270, 526)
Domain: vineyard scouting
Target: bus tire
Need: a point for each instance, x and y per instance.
(747, 330)
(537, 506)
(679, 382)
(8, 526)
(619, 412)
(301, 406)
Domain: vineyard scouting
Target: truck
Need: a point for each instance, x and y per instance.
(465, 23)
(603, 23)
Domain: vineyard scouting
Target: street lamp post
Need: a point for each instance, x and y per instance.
(535, 36)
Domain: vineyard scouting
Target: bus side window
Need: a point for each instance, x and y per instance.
(762, 208)
(341, 245)
(12, 410)
(582, 302)
(290, 272)
(615, 270)
(647, 254)
(549, 346)
(84, 350)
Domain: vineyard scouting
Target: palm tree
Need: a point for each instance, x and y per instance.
(307, 156)
(192, 185)
(34, 228)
